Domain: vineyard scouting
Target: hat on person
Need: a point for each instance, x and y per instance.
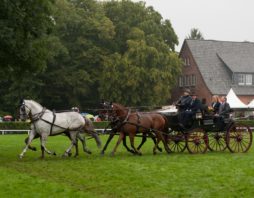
(187, 91)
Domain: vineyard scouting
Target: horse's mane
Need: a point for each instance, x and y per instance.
(120, 106)
(32, 101)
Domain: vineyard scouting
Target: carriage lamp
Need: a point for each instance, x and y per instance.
(198, 115)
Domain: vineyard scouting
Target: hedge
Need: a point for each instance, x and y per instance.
(26, 125)
(98, 125)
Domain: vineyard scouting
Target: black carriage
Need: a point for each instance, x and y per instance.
(204, 133)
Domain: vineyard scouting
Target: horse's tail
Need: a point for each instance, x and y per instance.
(89, 129)
(166, 126)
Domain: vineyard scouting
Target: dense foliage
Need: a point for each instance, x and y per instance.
(66, 53)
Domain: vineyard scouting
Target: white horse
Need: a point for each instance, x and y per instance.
(47, 123)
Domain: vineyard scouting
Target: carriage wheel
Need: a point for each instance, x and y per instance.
(197, 141)
(217, 141)
(239, 138)
(176, 141)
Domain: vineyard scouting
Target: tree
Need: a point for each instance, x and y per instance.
(27, 44)
(195, 34)
(144, 67)
(84, 32)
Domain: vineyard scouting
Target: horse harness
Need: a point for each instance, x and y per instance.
(117, 123)
(38, 116)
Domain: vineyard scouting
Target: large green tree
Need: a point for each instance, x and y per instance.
(26, 46)
(144, 66)
(84, 32)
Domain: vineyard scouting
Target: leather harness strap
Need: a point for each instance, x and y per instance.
(53, 122)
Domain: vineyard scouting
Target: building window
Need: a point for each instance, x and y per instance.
(186, 61)
(241, 79)
(248, 79)
(181, 81)
(244, 79)
(193, 80)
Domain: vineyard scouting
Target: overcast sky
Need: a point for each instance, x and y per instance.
(227, 20)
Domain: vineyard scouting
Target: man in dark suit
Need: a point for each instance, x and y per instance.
(224, 111)
(195, 106)
(183, 104)
(224, 108)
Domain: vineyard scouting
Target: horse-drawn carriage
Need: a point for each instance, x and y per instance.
(204, 133)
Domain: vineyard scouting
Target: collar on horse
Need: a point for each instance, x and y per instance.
(37, 116)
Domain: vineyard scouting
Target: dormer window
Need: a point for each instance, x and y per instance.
(243, 79)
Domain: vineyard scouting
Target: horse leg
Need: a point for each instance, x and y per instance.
(83, 140)
(106, 145)
(96, 137)
(33, 148)
(159, 138)
(73, 136)
(67, 133)
(121, 136)
(43, 146)
(131, 136)
(125, 145)
(155, 141)
(31, 136)
(143, 141)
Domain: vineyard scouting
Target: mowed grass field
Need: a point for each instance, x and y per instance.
(214, 174)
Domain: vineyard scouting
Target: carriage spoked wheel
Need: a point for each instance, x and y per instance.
(239, 138)
(217, 141)
(197, 141)
(176, 141)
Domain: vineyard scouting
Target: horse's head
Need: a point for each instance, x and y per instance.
(24, 110)
(114, 110)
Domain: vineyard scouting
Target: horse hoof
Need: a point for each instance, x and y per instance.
(132, 151)
(160, 149)
(102, 153)
(69, 154)
(89, 152)
(112, 154)
(20, 156)
(54, 153)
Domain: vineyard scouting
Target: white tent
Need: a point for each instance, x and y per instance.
(251, 104)
(170, 109)
(234, 101)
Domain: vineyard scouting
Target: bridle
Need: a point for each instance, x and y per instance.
(113, 116)
(26, 114)
(23, 112)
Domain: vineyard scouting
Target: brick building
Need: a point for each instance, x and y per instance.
(213, 67)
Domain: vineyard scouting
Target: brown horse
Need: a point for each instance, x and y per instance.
(132, 123)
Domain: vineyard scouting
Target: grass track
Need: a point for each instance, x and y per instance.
(218, 174)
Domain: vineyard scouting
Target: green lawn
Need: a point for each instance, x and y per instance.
(218, 174)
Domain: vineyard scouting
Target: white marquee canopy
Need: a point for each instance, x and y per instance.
(234, 101)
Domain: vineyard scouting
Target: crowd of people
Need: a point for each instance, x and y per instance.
(189, 104)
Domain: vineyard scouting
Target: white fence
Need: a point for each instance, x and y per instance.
(14, 131)
(18, 131)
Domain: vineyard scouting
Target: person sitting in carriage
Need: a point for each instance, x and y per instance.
(183, 104)
(195, 106)
(223, 113)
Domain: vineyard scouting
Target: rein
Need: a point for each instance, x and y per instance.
(38, 116)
